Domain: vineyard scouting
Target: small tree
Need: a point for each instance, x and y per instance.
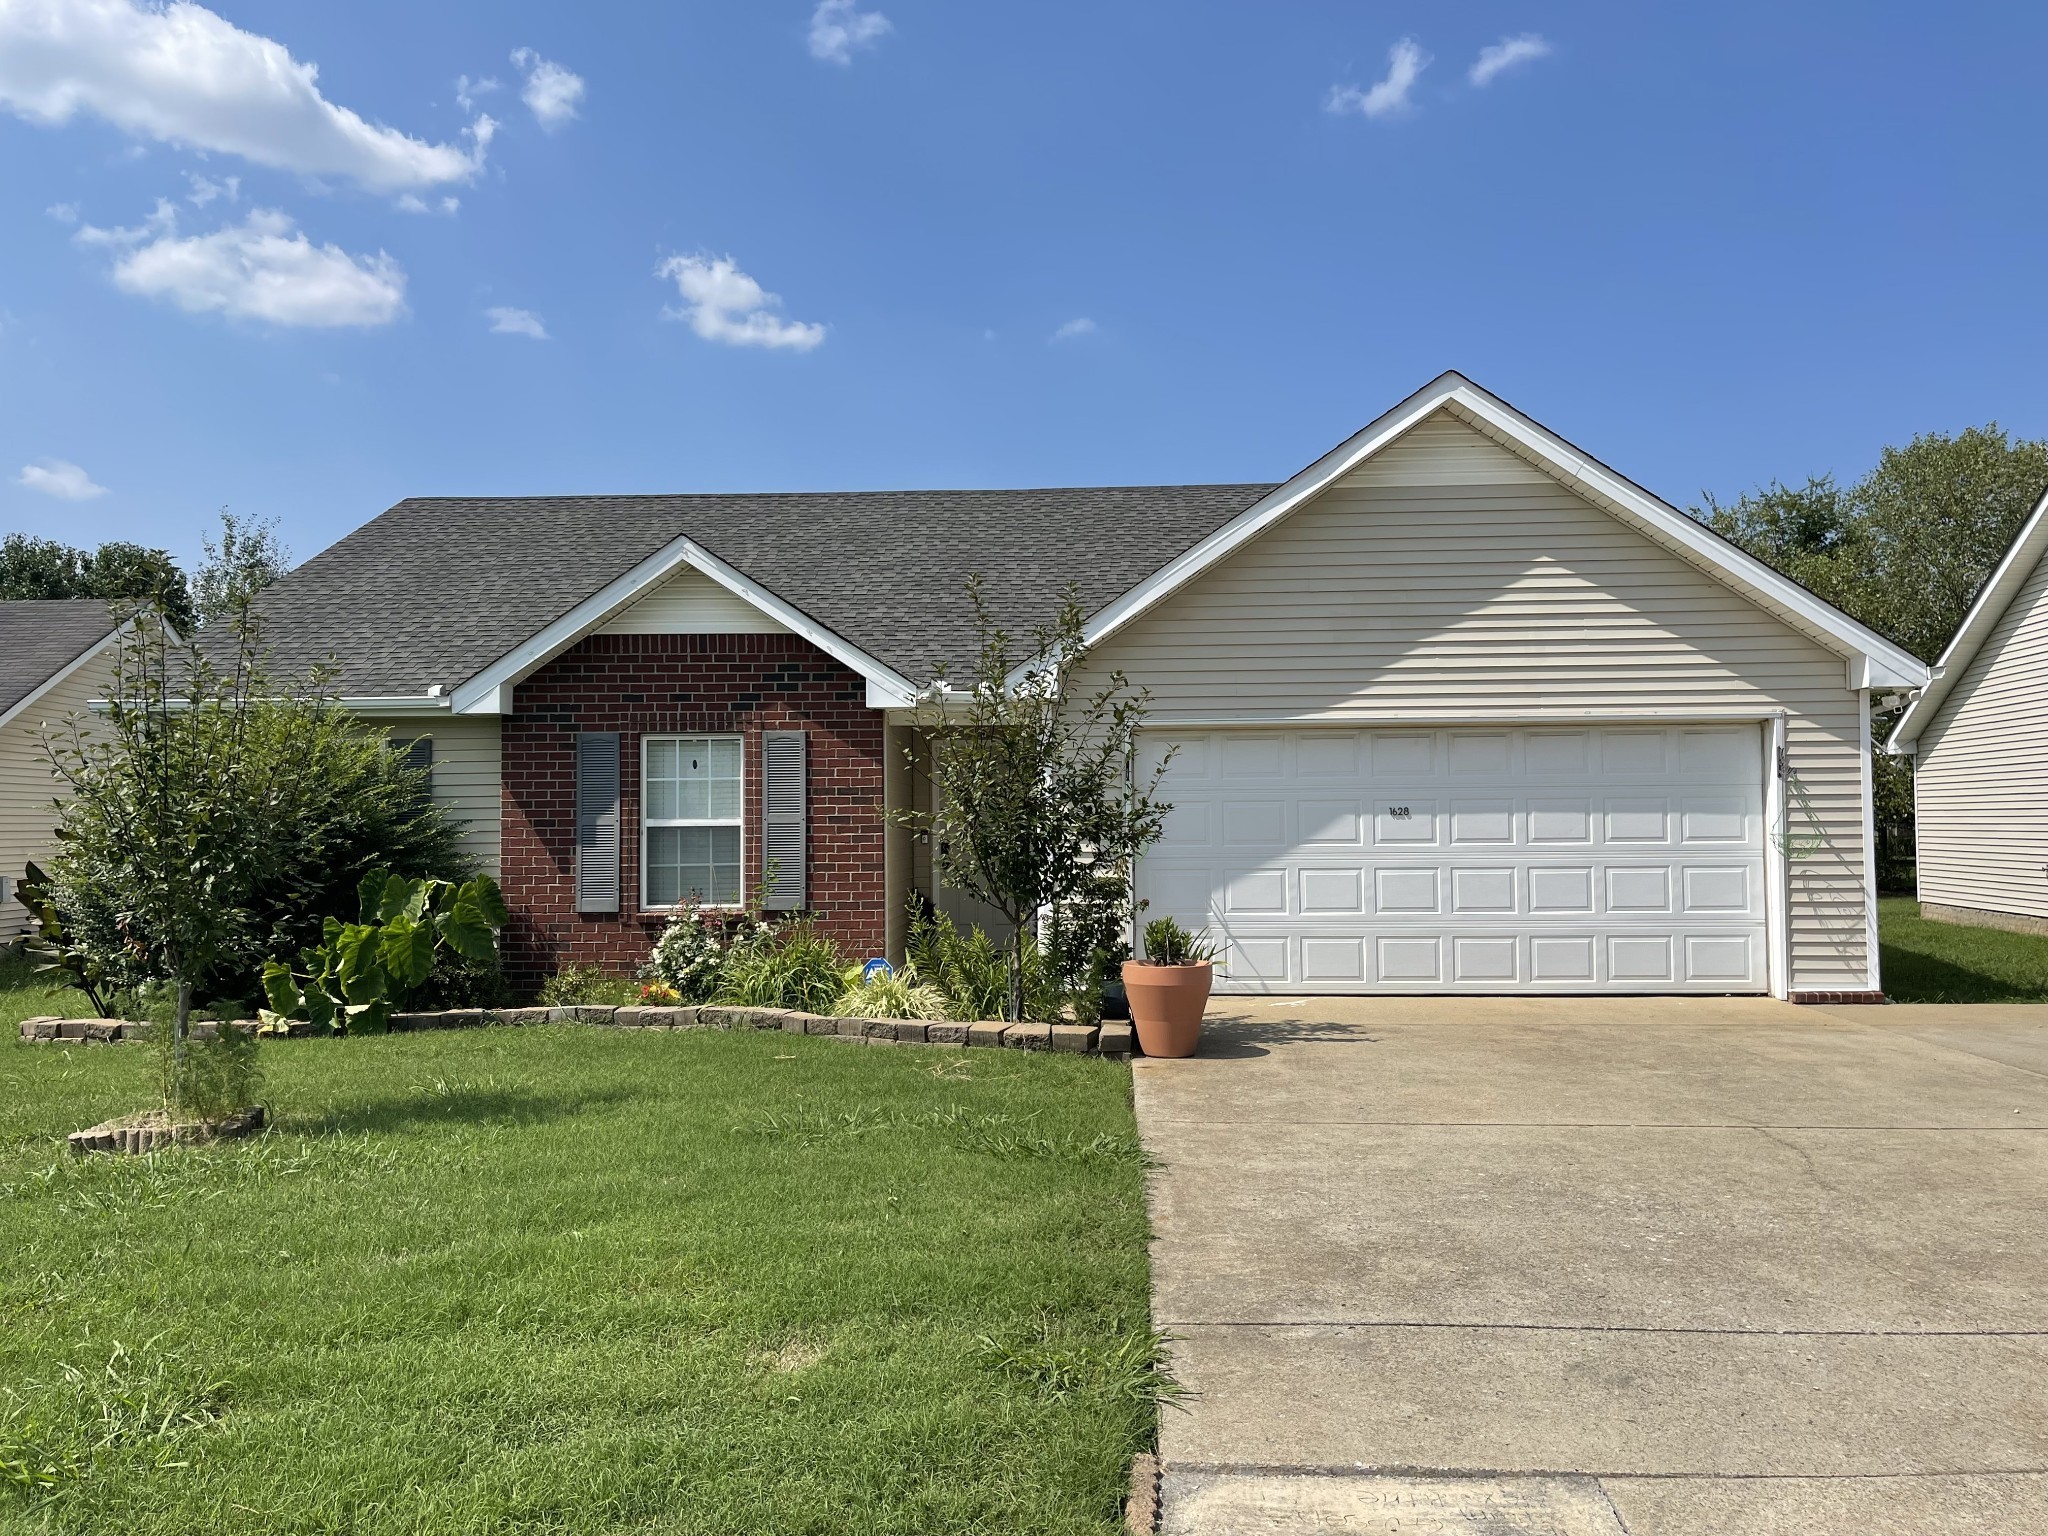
(168, 815)
(246, 557)
(1037, 804)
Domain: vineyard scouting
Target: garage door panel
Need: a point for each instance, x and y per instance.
(1339, 891)
(1469, 859)
(1404, 821)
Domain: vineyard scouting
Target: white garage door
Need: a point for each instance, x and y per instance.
(1617, 859)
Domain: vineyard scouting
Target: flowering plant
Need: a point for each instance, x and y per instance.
(657, 994)
(689, 956)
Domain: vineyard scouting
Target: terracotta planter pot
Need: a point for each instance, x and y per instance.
(1166, 1005)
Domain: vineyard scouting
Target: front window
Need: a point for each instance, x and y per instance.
(690, 820)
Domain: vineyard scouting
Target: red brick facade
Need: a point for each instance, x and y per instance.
(668, 684)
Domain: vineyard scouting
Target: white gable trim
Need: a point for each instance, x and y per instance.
(98, 648)
(2013, 573)
(1869, 654)
(489, 692)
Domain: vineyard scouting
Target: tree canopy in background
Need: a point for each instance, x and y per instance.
(244, 557)
(1905, 549)
(34, 568)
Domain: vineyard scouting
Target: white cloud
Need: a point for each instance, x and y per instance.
(721, 303)
(837, 30)
(506, 321)
(205, 190)
(1081, 325)
(59, 478)
(1497, 58)
(1405, 63)
(260, 269)
(181, 74)
(412, 202)
(63, 213)
(551, 91)
(467, 91)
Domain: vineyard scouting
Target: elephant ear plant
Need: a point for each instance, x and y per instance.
(350, 982)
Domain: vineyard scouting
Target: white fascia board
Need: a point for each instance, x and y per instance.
(2012, 574)
(69, 669)
(395, 704)
(489, 692)
(1567, 464)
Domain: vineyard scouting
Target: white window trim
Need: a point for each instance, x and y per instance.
(740, 821)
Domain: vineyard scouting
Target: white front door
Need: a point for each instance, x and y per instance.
(1615, 858)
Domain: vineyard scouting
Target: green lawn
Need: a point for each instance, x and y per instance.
(569, 1280)
(1928, 962)
(25, 995)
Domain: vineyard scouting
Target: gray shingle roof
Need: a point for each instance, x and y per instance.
(40, 639)
(436, 589)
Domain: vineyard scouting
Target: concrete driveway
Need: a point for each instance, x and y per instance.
(1684, 1267)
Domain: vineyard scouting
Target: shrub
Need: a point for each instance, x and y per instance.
(217, 1076)
(575, 985)
(973, 971)
(898, 996)
(794, 966)
(690, 954)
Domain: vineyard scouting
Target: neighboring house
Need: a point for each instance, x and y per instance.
(55, 658)
(1457, 708)
(1979, 740)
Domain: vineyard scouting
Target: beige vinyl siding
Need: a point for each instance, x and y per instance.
(1981, 784)
(691, 603)
(28, 815)
(467, 774)
(1448, 580)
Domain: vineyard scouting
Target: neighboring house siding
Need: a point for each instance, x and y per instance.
(1446, 579)
(28, 815)
(681, 684)
(467, 776)
(1981, 779)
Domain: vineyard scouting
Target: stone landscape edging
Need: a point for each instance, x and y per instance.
(1112, 1040)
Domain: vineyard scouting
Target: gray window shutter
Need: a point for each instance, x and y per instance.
(419, 754)
(784, 813)
(597, 821)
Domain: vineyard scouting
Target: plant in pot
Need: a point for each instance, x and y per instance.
(1169, 988)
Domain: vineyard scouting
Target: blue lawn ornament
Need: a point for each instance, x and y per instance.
(877, 967)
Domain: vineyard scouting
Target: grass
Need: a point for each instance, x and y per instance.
(1928, 962)
(25, 995)
(569, 1280)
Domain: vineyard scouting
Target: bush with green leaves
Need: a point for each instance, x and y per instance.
(316, 802)
(588, 986)
(973, 971)
(897, 995)
(789, 966)
(219, 1075)
(363, 971)
(689, 957)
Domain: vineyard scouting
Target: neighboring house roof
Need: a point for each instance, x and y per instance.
(2012, 574)
(42, 643)
(437, 589)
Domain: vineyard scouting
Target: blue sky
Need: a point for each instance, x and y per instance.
(1069, 243)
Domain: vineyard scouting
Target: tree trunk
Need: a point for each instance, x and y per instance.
(1016, 1009)
(181, 1032)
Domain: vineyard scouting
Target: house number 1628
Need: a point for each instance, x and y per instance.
(1398, 812)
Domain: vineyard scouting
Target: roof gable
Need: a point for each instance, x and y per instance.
(42, 642)
(1978, 626)
(1873, 660)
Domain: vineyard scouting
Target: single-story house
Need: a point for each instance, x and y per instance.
(1979, 740)
(55, 658)
(1457, 708)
